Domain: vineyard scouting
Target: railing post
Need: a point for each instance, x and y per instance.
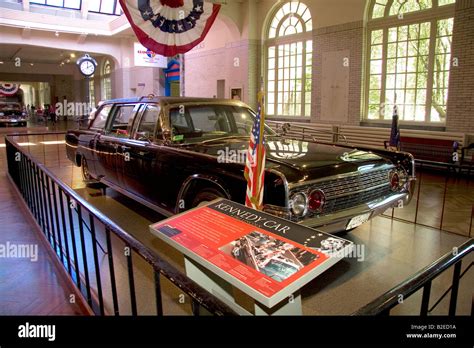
(159, 300)
(73, 241)
(425, 301)
(96, 265)
(455, 287)
(112, 271)
(84, 255)
(444, 200)
(420, 176)
(63, 221)
(131, 281)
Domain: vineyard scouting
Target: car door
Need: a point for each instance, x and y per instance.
(117, 131)
(88, 140)
(140, 160)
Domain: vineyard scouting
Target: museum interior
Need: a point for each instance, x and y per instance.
(236, 157)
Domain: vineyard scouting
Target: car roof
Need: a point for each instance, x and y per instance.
(175, 100)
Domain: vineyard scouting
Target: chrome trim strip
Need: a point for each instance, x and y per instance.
(376, 207)
(339, 176)
(137, 198)
(356, 192)
(285, 184)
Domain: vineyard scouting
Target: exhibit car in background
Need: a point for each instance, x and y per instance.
(12, 114)
(173, 154)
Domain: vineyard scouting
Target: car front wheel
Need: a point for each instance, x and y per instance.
(205, 196)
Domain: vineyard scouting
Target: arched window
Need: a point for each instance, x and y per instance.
(409, 59)
(289, 50)
(106, 82)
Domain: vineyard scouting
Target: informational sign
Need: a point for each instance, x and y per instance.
(145, 57)
(266, 257)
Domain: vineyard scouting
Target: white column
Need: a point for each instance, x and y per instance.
(26, 5)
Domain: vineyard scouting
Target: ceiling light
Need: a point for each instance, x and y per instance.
(32, 64)
(56, 33)
(73, 55)
(68, 60)
(1, 62)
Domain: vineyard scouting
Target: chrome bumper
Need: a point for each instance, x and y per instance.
(338, 221)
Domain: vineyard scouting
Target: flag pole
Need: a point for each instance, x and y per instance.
(182, 70)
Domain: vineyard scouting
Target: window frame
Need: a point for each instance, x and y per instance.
(116, 6)
(139, 118)
(56, 6)
(276, 42)
(113, 114)
(433, 15)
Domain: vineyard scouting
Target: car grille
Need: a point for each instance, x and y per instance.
(344, 186)
(350, 191)
(350, 201)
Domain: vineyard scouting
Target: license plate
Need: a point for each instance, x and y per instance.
(357, 221)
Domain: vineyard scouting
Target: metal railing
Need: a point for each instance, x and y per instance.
(304, 132)
(106, 277)
(423, 279)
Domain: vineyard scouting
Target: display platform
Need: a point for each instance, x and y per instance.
(267, 258)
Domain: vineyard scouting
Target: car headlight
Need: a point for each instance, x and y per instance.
(299, 204)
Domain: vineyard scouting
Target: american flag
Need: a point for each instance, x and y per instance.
(255, 161)
(395, 131)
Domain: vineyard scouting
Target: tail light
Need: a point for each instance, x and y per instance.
(394, 181)
(316, 200)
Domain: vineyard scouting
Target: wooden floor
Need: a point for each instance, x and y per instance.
(27, 287)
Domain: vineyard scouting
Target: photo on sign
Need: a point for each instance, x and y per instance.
(169, 231)
(275, 258)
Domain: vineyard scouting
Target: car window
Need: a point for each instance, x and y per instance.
(123, 121)
(210, 119)
(199, 123)
(146, 128)
(101, 118)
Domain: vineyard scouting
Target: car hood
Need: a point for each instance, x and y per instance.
(300, 160)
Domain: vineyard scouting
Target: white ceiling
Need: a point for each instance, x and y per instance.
(36, 54)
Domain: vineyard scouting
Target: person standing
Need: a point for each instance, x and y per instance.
(52, 114)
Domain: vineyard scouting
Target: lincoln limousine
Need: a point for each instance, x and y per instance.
(172, 154)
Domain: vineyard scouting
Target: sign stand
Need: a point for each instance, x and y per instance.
(253, 261)
(238, 301)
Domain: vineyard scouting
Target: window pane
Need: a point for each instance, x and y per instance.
(146, 129)
(94, 5)
(76, 4)
(123, 121)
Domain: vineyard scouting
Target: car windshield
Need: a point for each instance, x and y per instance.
(193, 124)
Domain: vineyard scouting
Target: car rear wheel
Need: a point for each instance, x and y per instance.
(86, 176)
(205, 196)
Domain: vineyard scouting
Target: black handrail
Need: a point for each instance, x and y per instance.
(423, 278)
(160, 266)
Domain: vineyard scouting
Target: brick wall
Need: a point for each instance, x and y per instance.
(229, 63)
(460, 112)
(343, 37)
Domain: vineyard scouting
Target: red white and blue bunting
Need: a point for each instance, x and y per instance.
(9, 88)
(170, 27)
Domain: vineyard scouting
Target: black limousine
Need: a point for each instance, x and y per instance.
(172, 154)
